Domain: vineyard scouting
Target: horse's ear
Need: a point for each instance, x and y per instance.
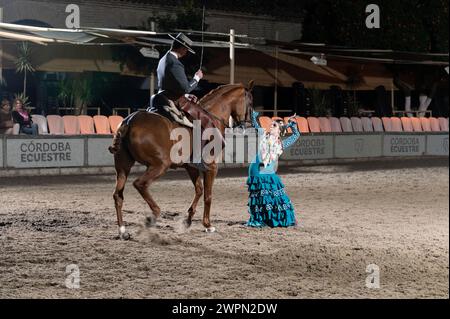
(250, 85)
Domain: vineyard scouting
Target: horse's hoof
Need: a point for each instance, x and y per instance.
(150, 221)
(187, 223)
(125, 236)
(210, 229)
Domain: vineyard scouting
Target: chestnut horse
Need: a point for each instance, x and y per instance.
(146, 139)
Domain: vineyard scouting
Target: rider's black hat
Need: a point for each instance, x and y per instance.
(183, 40)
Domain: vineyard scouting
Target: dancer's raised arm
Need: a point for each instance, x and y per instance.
(289, 141)
(255, 121)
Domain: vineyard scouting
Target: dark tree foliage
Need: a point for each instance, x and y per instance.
(435, 19)
(406, 25)
(286, 9)
(187, 17)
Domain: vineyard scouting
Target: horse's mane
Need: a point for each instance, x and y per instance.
(218, 92)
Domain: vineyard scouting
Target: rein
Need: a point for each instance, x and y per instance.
(217, 118)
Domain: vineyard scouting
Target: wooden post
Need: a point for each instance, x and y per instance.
(232, 56)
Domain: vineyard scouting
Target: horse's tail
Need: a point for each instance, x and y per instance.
(118, 138)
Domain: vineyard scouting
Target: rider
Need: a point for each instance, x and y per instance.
(174, 85)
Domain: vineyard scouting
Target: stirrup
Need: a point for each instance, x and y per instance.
(186, 122)
(174, 108)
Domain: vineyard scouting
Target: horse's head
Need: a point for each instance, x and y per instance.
(230, 100)
(242, 112)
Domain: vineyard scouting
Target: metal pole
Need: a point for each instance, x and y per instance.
(1, 50)
(152, 74)
(275, 94)
(392, 96)
(232, 56)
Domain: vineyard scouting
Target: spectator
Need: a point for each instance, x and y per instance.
(6, 120)
(21, 116)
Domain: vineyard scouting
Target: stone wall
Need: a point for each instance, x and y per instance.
(91, 151)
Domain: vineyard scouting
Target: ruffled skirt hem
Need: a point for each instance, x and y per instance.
(268, 204)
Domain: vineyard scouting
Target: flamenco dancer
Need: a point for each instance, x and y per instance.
(268, 203)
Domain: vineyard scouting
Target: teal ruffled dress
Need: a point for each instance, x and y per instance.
(268, 203)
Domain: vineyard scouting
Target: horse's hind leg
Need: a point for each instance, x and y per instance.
(194, 174)
(123, 164)
(142, 184)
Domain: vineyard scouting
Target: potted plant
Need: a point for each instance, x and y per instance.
(320, 102)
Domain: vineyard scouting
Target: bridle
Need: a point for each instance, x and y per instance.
(248, 111)
(247, 117)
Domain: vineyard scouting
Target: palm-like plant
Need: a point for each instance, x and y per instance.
(66, 92)
(23, 63)
(353, 104)
(25, 100)
(83, 88)
(320, 101)
(354, 80)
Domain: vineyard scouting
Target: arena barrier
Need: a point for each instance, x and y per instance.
(19, 153)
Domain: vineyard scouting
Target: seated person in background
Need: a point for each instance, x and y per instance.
(6, 120)
(21, 116)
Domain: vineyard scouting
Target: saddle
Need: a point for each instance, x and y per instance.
(160, 104)
(189, 112)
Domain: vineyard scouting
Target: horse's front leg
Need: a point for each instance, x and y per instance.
(208, 181)
(194, 174)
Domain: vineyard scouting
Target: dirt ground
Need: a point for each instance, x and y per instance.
(393, 214)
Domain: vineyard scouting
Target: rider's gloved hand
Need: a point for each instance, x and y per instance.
(198, 75)
(191, 98)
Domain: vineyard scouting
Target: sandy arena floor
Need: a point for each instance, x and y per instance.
(392, 214)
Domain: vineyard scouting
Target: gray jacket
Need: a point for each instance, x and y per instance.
(172, 78)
